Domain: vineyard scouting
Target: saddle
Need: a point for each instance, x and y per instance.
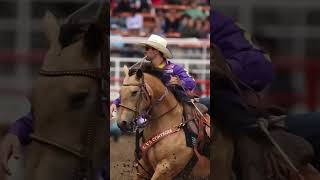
(199, 128)
(193, 126)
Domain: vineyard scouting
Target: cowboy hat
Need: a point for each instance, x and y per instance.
(158, 43)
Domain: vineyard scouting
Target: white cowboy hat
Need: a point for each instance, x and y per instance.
(159, 43)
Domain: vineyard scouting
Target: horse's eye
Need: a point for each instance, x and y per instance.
(78, 100)
(134, 93)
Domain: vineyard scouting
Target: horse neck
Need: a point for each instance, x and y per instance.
(173, 117)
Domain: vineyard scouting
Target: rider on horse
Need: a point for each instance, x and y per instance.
(157, 53)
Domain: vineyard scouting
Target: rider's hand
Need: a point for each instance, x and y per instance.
(174, 80)
(113, 108)
(10, 146)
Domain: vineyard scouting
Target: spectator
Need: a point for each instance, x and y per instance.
(134, 23)
(161, 19)
(199, 26)
(123, 6)
(189, 30)
(116, 19)
(159, 23)
(116, 42)
(183, 22)
(195, 11)
(142, 5)
(171, 21)
(206, 27)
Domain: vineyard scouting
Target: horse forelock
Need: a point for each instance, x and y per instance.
(157, 73)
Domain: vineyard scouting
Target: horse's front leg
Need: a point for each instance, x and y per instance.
(164, 171)
(143, 170)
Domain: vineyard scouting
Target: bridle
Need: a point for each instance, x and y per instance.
(144, 94)
(86, 170)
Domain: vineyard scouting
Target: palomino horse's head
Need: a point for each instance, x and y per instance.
(136, 96)
(69, 139)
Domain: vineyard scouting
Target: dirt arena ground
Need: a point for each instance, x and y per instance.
(121, 158)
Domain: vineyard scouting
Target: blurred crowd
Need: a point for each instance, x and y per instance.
(169, 18)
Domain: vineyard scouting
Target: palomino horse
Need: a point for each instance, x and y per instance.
(70, 130)
(144, 93)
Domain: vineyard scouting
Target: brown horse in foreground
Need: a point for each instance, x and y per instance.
(169, 156)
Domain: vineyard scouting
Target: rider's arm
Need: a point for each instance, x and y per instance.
(22, 128)
(186, 80)
(249, 63)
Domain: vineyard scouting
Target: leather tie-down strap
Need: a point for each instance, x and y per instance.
(285, 157)
(201, 130)
(146, 146)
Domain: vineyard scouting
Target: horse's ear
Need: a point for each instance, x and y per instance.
(139, 74)
(126, 70)
(50, 27)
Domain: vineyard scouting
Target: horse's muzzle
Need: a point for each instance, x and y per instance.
(126, 126)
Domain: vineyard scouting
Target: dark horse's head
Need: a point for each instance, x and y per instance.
(69, 139)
